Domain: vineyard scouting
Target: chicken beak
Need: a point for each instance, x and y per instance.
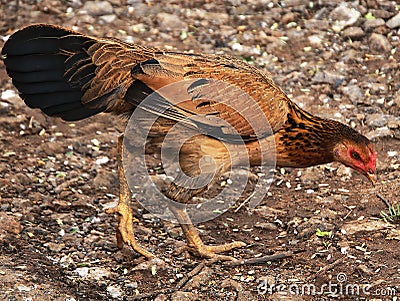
(372, 178)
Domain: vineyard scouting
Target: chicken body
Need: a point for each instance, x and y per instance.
(73, 76)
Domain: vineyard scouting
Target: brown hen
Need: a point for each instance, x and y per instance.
(73, 76)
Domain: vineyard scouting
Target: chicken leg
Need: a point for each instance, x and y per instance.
(125, 233)
(194, 243)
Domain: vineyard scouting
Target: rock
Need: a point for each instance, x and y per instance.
(381, 13)
(354, 93)
(313, 24)
(108, 18)
(54, 247)
(9, 224)
(266, 226)
(117, 2)
(396, 99)
(9, 95)
(75, 3)
(372, 23)
(353, 33)
(170, 22)
(394, 22)
(151, 265)
(114, 291)
(315, 40)
(377, 88)
(393, 122)
(365, 225)
(173, 230)
(52, 147)
(376, 120)
(23, 179)
(183, 296)
(329, 77)
(394, 234)
(98, 8)
(243, 295)
(365, 270)
(93, 273)
(199, 280)
(269, 212)
(312, 175)
(4, 108)
(161, 297)
(344, 173)
(105, 178)
(379, 133)
(137, 28)
(344, 16)
(102, 160)
(23, 288)
(379, 42)
(245, 50)
(292, 3)
(289, 17)
(349, 56)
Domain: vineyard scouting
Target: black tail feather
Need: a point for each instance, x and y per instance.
(48, 100)
(38, 58)
(34, 62)
(33, 39)
(43, 87)
(37, 76)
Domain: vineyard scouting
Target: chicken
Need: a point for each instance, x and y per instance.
(220, 100)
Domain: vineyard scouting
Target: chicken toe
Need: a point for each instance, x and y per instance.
(194, 243)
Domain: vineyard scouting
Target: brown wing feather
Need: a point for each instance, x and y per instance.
(114, 62)
(246, 89)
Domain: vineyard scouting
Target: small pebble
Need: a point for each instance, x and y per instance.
(394, 22)
(114, 291)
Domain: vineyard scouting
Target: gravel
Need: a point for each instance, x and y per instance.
(335, 59)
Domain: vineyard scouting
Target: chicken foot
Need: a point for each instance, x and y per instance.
(194, 243)
(125, 233)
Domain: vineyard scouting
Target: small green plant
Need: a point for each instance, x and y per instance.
(369, 16)
(320, 233)
(392, 215)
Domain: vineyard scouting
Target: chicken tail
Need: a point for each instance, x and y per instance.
(37, 59)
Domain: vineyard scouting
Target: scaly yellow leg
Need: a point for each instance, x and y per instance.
(125, 233)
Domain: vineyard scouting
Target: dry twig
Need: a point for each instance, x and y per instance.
(190, 275)
(259, 260)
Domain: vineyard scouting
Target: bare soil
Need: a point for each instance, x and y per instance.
(58, 243)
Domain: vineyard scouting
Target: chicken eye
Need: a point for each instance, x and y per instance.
(355, 155)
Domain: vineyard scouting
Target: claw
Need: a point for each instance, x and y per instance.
(212, 251)
(125, 233)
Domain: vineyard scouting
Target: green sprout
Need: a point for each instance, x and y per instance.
(320, 233)
(392, 215)
(369, 16)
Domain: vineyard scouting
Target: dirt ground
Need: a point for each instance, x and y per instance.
(57, 179)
